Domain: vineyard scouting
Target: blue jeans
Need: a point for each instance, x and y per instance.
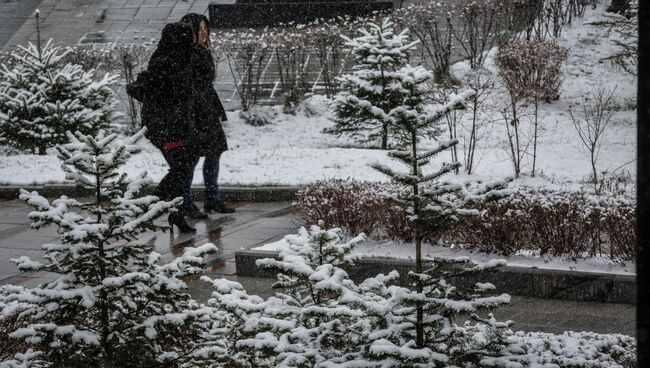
(210, 180)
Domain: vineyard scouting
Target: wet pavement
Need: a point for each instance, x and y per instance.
(255, 224)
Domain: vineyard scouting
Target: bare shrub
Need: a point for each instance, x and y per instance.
(482, 84)
(531, 70)
(247, 53)
(355, 206)
(483, 24)
(130, 59)
(325, 38)
(573, 225)
(291, 56)
(594, 113)
(90, 58)
(517, 147)
(431, 25)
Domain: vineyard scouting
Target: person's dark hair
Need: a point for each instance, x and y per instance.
(174, 51)
(176, 36)
(194, 20)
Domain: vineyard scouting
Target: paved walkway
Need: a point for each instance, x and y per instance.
(102, 21)
(255, 224)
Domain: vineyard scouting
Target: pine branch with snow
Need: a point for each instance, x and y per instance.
(41, 98)
(114, 303)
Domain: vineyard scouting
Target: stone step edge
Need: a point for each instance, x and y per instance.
(229, 193)
(521, 281)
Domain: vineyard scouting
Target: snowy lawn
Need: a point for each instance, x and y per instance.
(294, 151)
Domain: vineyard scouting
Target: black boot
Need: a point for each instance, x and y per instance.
(177, 218)
(193, 212)
(218, 207)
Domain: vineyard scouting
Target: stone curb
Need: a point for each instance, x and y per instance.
(528, 282)
(229, 194)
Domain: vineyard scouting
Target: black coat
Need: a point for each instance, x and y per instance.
(207, 111)
(165, 88)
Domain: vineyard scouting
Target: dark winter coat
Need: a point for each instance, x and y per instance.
(207, 135)
(165, 88)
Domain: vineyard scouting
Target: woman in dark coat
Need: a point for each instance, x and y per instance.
(208, 138)
(164, 90)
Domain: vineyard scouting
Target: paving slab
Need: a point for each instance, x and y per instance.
(251, 225)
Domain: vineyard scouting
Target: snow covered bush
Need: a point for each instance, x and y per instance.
(321, 318)
(574, 225)
(570, 349)
(41, 98)
(571, 225)
(362, 108)
(112, 304)
(356, 206)
(532, 69)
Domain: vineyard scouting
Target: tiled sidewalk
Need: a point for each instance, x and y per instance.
(253, 224)
(67, 21)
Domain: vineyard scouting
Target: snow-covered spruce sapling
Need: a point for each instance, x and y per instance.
(304, 324)
(363, 106)
(322, 318)
(428, 203)
(113, 304)
(41, 98)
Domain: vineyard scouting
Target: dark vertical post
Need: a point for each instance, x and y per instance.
(643, 189)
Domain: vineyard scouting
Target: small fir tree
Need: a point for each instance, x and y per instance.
(41, 98)
(428, 202)
(363, 106)
(321, 318)
(304, 324)
(113, 304)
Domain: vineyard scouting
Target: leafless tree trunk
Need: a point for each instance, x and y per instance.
(483, 87)
(591, 120)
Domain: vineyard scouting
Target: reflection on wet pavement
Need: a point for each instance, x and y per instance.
(253, 224)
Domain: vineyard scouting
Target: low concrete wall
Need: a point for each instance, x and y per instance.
(233, 14)
(229, 194)
(531, 282)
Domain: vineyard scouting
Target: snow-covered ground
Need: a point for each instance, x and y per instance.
(294, 151)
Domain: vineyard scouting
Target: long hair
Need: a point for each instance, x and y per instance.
(194, 20)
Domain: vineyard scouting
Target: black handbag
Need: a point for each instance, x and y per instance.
(139, 89)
